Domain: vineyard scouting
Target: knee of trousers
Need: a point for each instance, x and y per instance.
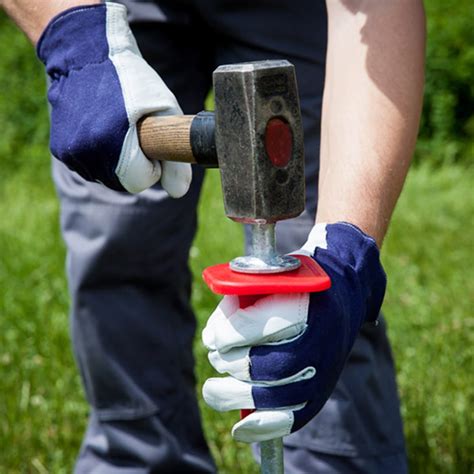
(134, 352)
(132, 325)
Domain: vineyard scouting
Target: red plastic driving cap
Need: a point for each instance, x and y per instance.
(308, 278)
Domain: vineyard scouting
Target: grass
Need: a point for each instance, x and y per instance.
(428, 255)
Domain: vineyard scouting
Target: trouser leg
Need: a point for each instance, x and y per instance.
(132, 325)
(132, 328)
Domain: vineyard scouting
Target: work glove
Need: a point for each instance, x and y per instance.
(100, 86)
(285, 353)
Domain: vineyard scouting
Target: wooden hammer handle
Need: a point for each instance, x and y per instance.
(184, 138)
(167, 138)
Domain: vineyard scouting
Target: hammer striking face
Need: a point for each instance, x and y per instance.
(259, 141)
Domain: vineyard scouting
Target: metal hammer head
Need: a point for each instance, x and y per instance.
(259, 141)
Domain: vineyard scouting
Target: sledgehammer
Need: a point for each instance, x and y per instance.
(255, 138)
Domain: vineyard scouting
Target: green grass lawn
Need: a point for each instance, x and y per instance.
(428, 255)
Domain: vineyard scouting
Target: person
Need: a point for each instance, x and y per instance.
(327, 378)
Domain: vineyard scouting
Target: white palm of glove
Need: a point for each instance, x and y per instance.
(144, 93)
(229, 335)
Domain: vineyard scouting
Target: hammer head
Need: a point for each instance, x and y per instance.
(259, 141)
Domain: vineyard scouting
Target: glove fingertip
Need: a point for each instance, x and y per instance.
(176, 178)
(207, 337)
(208, 394)
(134, 170)
(227, 393)
(263, 426)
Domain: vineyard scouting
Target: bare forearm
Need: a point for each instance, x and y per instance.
(33, 16)
(371, 109)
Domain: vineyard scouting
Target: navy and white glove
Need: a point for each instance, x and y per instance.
(285, 353)
(100, 86)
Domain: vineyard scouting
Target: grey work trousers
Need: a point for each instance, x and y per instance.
(132, 324)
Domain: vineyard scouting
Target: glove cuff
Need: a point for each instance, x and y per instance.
(77, 37)
(344, 251)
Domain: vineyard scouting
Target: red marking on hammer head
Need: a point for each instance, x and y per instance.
(278, 142)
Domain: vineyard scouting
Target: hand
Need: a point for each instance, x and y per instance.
(100, 87)
(285, 353)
